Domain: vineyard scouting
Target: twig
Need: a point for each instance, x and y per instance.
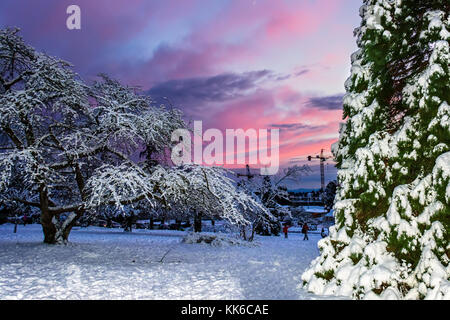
(167, 252)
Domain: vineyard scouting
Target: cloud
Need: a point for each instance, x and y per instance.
(302, 72)
(327, 102)
(299, 127)
(200, 90)
(283, 77)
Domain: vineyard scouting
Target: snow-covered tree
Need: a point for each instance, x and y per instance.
(210, 191)
(41, 99)
(69, 148)
(391, 238)
(272, 192)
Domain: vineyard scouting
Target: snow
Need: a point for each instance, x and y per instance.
(216, 239)
(100, 263)
(314, 209)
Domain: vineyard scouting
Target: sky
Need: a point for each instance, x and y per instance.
(261, 64)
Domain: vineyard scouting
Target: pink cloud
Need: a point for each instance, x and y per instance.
(302, 130)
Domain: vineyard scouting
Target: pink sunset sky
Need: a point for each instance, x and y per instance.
(230, 63)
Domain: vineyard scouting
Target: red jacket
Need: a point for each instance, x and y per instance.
(285, 229)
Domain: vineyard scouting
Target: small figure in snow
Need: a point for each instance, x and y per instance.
(305, 229)
(285, 230)
(323, 233)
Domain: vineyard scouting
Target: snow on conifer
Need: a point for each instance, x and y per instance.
(391, 238)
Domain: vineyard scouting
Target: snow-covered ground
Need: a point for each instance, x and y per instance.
(314, 209)
(101, 263)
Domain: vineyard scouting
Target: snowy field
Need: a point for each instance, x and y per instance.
(104, 263)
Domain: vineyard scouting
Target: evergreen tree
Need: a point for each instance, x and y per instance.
(391, 238)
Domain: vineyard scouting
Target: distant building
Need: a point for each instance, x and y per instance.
(306, 198)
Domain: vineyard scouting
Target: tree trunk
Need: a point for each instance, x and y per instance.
(128, 224)
(243, 233)
(56, 232)
(69, 224)
(152, 223)
(178, 223)
(252, 236)
(48, 220)
(48, 227)
(198, 221)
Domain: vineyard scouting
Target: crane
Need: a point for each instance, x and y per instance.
(322, 159)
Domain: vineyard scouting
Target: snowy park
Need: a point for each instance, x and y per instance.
(185, 150)
(101, 263)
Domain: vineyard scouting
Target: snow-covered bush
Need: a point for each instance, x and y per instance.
(215, 240)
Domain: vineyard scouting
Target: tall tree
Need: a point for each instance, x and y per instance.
(391, 239)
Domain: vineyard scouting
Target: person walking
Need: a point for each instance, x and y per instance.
(305, 229)
(285, 230)
(323, 233)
